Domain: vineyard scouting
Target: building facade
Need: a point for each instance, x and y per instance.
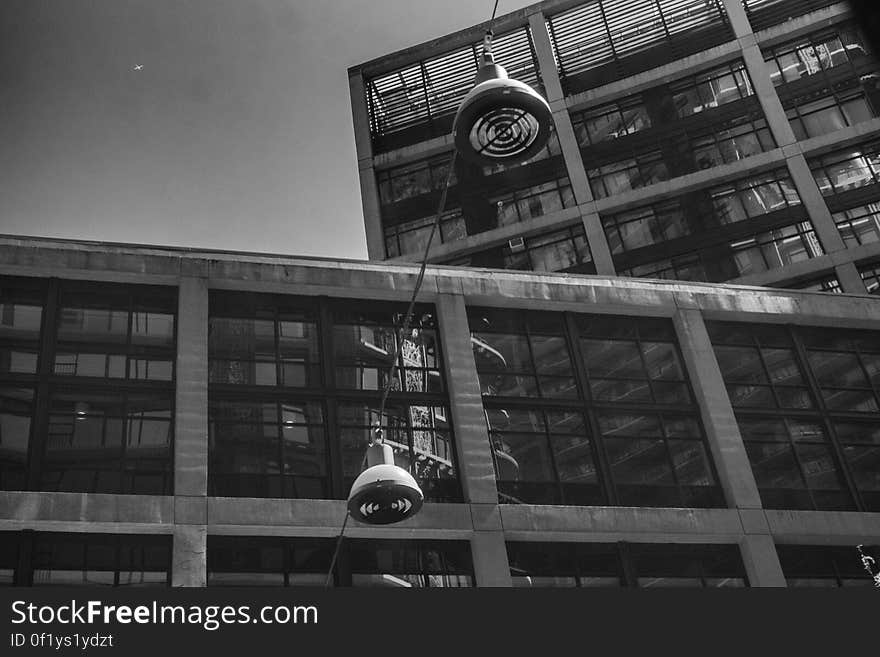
(190, 418)
(717, 141)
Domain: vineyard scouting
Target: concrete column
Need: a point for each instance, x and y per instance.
(190, 556)
(761, 561)
(815, 205)
(598, 241)
(739, 21)
(849, 278)
(473, 449)
(360, 115)
(372, 210)
(725, 442)
(364, 147)
(189, 567)
(489, 553)
(191, 397)
(544, 53)
(766, 92)
(571, 152)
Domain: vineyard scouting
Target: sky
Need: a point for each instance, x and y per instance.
(217, 124)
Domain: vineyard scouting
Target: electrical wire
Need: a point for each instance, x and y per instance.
(409, 312)
(336, 551)
(407, 320)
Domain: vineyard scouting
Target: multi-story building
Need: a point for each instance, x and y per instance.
(703, 140)
(184, 417)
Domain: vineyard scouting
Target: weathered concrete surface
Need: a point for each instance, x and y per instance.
(722, 431)
(191, 399)
(189, 558)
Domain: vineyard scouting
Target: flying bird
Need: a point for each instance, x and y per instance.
(138, 67)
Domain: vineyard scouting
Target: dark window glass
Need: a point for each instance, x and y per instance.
(807, 402)
(641, 565)
(100, 560)
(116, 334)
(848, 169)
(16, 416)
(822, 566)
(589, 432)
(108, 442)
(21, 314)
(757, 253)
(301, 431)
(871, 276)
(264, 561)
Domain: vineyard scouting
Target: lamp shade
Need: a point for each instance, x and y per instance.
(501, 120)
(384, 493)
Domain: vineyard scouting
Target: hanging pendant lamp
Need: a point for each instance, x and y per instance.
(384, 493)
(500, 120)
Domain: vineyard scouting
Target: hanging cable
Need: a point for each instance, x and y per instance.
(407, 320)
(409, 312)
(336, 552)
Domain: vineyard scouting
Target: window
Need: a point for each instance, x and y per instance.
(822, 566)
(21, 315)
(99, 358)
(589, 410)
(58, 559)
(672, 129)
(859, 225)
(264, 561)
(733, 141)
(263, 346)
(820, 117)
(609, 565)
(764, 251)
(295, 391)
(807, 406)
(121, 333)
(634, 229)
(485, 203)
(101, 441)
(711, 89)
(823, 284)
(842, 171)
(871, 276)
(560, 251)
(413, 179)
(624, 176)
(738, 201)
(412, 237)
(532, 202)
(610, 121)
(844, 47)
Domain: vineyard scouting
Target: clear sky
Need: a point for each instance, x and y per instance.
(204, 123)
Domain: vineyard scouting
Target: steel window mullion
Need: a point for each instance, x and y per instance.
(588, 410)
(825, 420)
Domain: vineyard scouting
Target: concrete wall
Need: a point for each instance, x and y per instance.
(190, 515)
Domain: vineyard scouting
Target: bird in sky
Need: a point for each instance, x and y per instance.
(138, 67)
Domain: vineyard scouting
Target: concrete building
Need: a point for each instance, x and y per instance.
(183, 417)
(720, 141)
(666, 418)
